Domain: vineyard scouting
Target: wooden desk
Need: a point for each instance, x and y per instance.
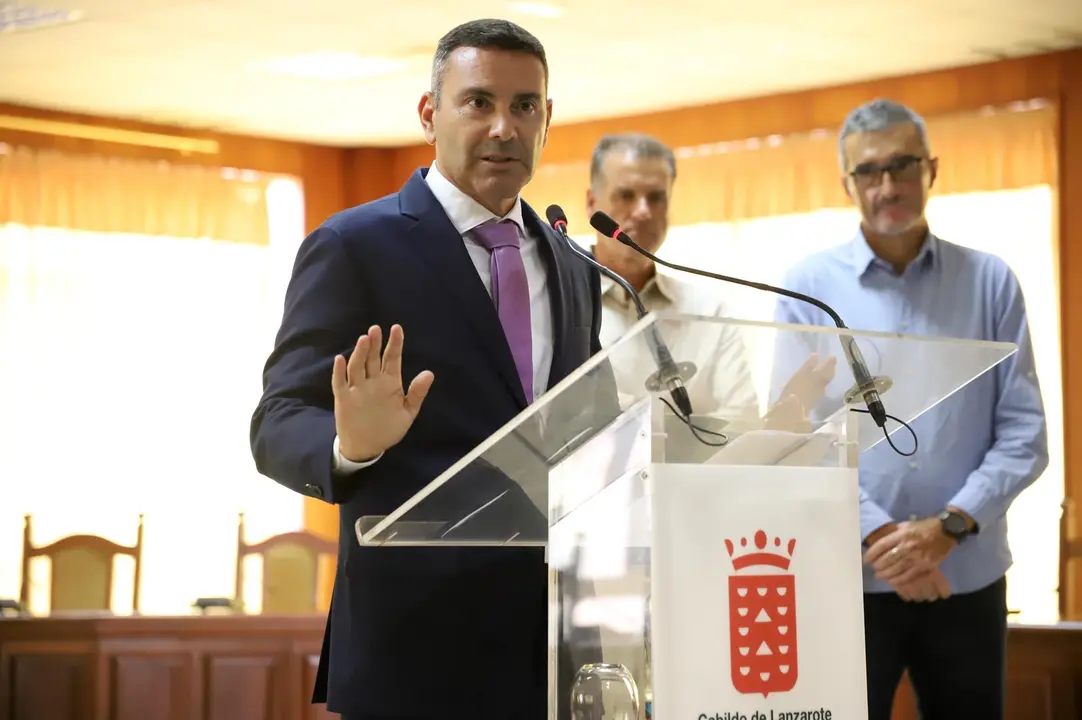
(160, 668)
(1044, 674)
(263, 668)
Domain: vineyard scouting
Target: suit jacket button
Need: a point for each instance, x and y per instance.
(314, 490)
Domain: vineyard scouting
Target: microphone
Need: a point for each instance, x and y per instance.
(670, 375)
(867, 387)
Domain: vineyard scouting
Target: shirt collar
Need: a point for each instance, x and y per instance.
(659, 284)
(863, 257)
(464, 212)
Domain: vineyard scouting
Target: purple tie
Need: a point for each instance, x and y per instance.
(511, 293)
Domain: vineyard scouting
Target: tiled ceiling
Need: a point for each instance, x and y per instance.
(201, 63)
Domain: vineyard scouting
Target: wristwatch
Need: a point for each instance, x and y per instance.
(955, 525)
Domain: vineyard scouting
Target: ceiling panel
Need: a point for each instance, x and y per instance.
(200, 62)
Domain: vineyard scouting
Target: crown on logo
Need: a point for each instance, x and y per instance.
(760, 557)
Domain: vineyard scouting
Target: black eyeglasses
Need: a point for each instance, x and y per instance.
(905, 168)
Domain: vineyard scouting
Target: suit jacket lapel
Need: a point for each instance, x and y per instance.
(440, 248)
(559, 279)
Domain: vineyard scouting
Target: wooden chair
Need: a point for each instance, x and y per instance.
(81, 572)
(290, 569)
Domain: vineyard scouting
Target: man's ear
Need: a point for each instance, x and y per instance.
(933, 171)
(548, 121)
(845, 186)
(591, 201)
(425, 110)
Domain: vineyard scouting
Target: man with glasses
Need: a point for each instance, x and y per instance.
(933, 524)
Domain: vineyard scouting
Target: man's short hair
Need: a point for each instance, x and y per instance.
(486, 33)
(878, 115)
(638, 144)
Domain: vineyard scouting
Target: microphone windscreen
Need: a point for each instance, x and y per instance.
(556, 214)
(604, 224)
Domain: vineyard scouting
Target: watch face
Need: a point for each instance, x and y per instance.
(954, 524)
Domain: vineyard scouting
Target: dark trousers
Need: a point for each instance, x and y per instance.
(955, 651)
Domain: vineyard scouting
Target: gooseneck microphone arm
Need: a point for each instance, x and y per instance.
(640, 310)
(670, 375)
(866, 386)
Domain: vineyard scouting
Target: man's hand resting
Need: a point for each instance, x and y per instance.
(907, 555)
(810, 381)
(371, 411)
(801, 393)
(930, 586)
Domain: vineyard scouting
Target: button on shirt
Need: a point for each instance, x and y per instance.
(722, 385)
(980, 447)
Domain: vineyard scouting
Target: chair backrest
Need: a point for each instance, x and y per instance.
(81, 572)
(290, 569)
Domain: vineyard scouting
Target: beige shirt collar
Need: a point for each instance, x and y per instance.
(659, 287)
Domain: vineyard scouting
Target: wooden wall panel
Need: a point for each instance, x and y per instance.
(370, 173)
(1070, 286)
(243, 684)
(262, 668)
(935, 93)
(320, 169)
(151, 686)
(246, 667)
(55, 685)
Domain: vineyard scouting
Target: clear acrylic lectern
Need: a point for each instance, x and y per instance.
(710, 566)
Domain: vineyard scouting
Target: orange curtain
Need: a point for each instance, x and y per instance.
(764, 177)
(116, 195)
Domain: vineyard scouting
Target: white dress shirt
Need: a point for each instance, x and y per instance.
(466, 214)
(722, 385)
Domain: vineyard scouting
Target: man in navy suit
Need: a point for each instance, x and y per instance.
(497, 312)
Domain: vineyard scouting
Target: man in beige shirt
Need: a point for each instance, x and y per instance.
(631, 180)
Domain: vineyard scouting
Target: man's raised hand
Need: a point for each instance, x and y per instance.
(372, 412)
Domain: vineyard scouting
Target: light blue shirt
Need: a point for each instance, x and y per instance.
(980, 447)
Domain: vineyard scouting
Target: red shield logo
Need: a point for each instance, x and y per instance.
(762, 617)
